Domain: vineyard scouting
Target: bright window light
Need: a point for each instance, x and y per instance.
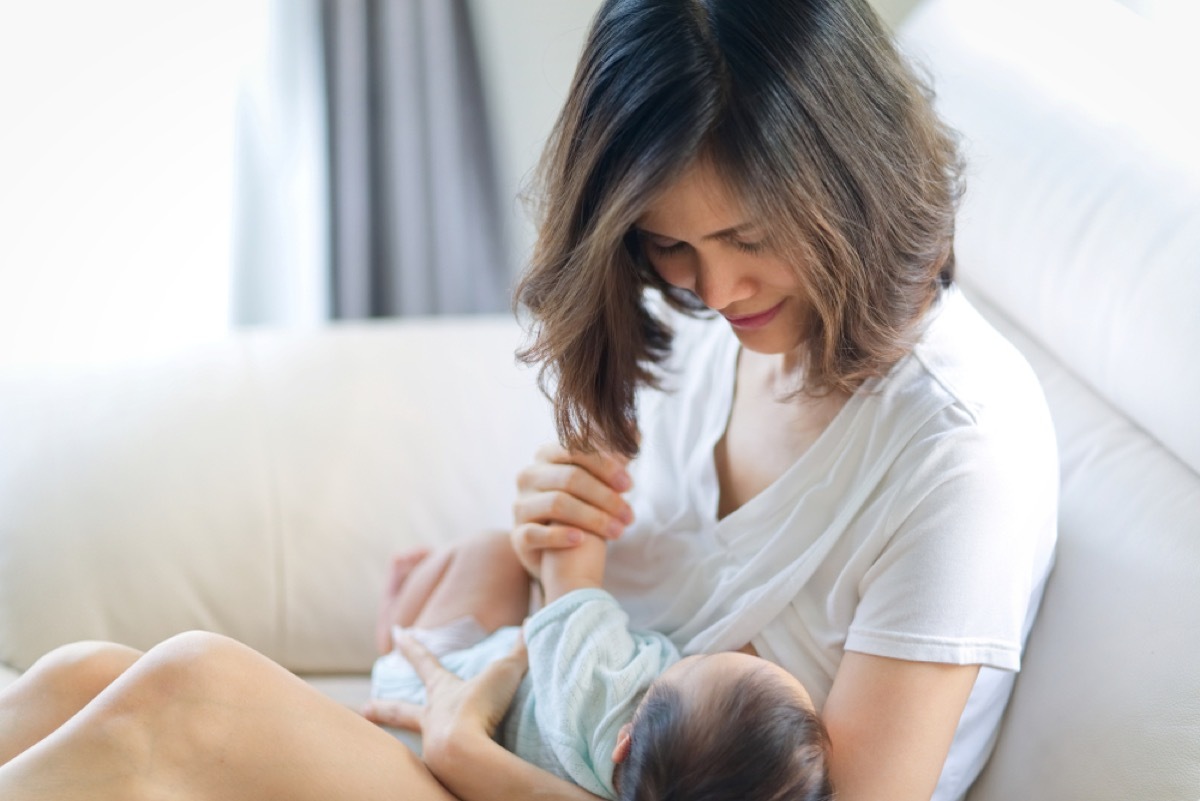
(116, 173)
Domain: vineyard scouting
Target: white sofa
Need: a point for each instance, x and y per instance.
(256, 486)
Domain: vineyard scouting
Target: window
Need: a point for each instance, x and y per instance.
(117, 172)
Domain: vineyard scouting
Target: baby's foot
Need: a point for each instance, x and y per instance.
(402, 566)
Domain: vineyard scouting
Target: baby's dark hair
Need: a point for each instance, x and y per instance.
(750, 743)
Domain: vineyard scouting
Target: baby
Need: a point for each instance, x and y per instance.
(618, 712)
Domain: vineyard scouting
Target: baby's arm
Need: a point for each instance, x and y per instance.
(575, 568)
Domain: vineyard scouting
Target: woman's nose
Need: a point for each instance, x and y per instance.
(719, 283)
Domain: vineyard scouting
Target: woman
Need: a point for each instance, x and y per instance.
(851, 473)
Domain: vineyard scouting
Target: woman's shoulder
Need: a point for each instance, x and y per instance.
(964, 400)
(983, 425)
(970, 366)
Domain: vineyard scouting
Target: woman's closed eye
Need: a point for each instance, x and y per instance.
(747, 247)
(660, 245)
(671, 247)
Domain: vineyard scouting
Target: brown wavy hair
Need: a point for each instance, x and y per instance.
(819, 128)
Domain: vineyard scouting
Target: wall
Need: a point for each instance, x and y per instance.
(528, 52)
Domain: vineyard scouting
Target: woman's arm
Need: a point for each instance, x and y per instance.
(479, 769)
(891, 723)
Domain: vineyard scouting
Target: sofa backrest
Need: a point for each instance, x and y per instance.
(1080, 238)
(254, 486)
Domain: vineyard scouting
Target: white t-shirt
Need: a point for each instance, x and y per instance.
(920, 525)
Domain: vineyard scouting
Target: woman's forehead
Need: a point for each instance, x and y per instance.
(699, 203)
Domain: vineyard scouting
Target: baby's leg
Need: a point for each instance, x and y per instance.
(478, 578)
(401, 601)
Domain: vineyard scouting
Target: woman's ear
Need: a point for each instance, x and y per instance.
(621, 751)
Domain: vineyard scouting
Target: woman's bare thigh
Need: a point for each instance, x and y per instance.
(202, 718)
(54, 689)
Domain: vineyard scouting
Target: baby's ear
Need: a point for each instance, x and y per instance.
(621, 751)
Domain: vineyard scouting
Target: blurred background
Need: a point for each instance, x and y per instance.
(171, 171)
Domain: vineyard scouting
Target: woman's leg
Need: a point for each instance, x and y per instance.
(203, 717)
(56, 687)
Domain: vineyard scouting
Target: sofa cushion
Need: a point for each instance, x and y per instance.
(1107, 704)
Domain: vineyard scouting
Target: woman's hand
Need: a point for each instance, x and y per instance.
(458, 724)
(564, 495)
(455, 710)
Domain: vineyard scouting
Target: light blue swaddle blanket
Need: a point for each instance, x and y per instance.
(587, 674)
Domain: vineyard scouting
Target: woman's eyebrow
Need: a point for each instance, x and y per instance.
(724, 233)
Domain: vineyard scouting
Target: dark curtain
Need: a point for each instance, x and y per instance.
(414, 212)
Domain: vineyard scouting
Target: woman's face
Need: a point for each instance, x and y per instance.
(697, 238)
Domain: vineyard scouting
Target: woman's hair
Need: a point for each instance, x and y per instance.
(753, 742)
(815, 124)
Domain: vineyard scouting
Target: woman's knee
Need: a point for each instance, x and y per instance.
(83, 668)
(199, 662)
(187, 691)
(166, 711)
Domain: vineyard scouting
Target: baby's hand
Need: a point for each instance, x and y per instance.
(574, 568)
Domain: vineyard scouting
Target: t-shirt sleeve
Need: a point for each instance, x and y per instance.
(972, 522)
(588, 673)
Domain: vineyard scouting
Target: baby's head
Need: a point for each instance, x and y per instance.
(723, 726)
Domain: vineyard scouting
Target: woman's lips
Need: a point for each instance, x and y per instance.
(751, 321)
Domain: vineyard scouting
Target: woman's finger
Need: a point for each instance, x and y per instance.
(530, 537)
(607, 467)
(397, 714)
(492, 691)
(579, 483)
(517, 656)
(505, 673)
(504, 676)
(422, 659)
(562, 508)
